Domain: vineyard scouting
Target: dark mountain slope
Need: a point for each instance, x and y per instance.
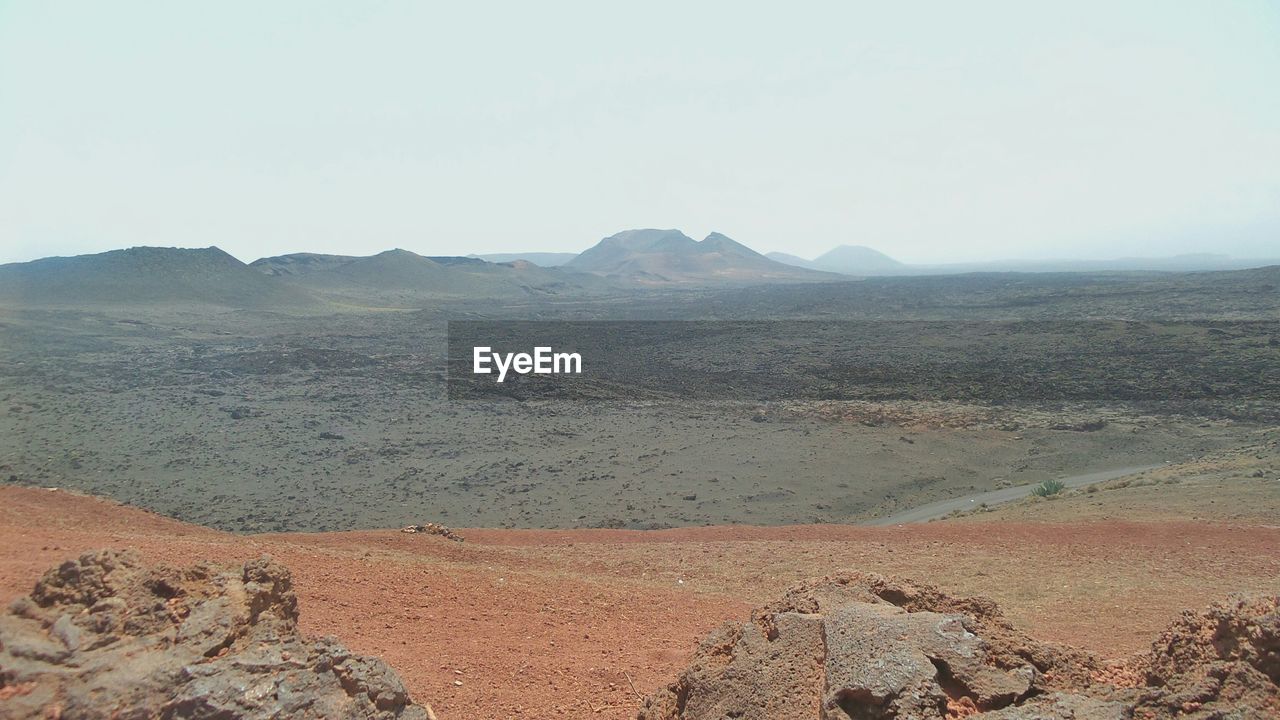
(403, 277)
(146, 275)
(299, 263)
(794, 260)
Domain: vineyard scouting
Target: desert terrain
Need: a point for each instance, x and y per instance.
(607, 530)
(563, 623)
(821, 403)
(458, 361)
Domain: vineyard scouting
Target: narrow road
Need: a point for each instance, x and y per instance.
(944, 507)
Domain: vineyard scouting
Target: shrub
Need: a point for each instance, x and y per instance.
(1048, 488)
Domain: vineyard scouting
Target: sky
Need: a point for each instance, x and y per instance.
(931, 131)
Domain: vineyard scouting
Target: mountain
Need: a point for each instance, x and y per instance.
(146, 275)
(848, 260)
(299, 263)
(795, 260)
(544, 259)
(393, 269)
(858, 260)
(403, 277)
(669, 256)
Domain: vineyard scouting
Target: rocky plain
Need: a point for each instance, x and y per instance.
(331, 417)
(608, 533)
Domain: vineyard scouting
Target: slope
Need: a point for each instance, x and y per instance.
(146, 275)
(403, 277)
(669, 256)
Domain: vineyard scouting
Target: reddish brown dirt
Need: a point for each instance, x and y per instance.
(562, 623)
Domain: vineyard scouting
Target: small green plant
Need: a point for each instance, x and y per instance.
(1048, 488)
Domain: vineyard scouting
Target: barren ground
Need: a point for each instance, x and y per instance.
(256, 423)
(255, 420)
(561, 623)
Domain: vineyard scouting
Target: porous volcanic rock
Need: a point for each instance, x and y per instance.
(865, 647)
(1223, 662)
(106, 637)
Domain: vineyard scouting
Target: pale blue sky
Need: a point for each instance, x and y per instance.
(936, 131)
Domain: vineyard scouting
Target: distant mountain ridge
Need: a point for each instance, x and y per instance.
(402, 277)
(389, 269)
(143, 275)
(857, 260)
(543, 259)
(652, 256)
(788, 259)
(847, 260)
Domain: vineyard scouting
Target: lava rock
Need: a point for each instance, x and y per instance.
(106, 637)
(865, 646)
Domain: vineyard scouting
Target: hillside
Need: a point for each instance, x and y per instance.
(146, 275)
(858, 260)
(788, 259)
(299, 263)
(848, 260)
(544, 259)
(669, 256)
(403, 277)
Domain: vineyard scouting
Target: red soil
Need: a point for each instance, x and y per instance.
(542, 623)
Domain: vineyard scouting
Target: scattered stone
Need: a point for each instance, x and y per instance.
(106, 637)
(433, 529)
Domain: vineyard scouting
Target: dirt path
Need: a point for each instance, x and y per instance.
(942, 508)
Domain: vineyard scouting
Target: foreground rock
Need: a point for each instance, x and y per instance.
(869, 648)
(1220, 663)
(106, 637)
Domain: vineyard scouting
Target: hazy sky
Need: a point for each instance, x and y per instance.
(934, 131)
